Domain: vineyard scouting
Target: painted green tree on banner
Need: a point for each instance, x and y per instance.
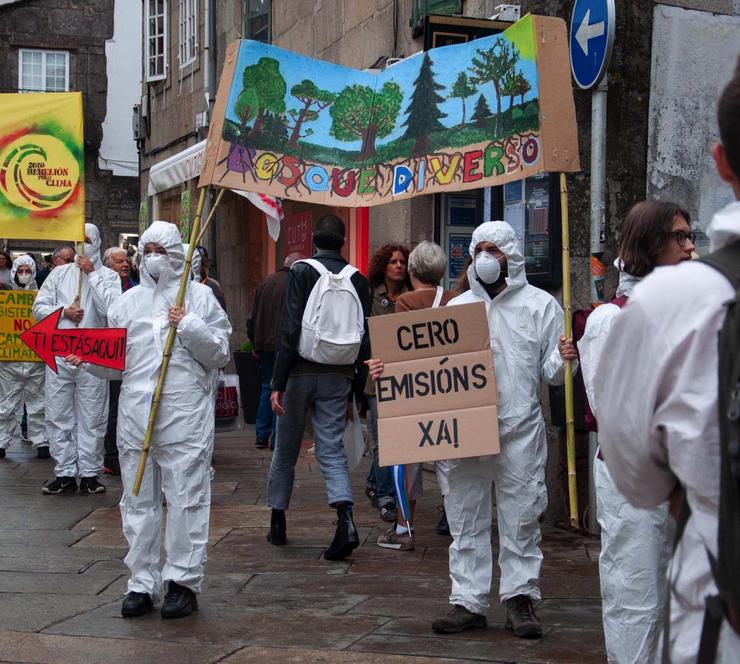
(492, 67)
(360, 114)
(314, 100)
(246, 107)
(423, 112)
(482, 112)
(462, 89)
(269, 87)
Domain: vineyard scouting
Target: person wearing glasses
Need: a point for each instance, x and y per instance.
(634, 542)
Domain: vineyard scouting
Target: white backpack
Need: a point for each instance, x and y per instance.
(333, 322)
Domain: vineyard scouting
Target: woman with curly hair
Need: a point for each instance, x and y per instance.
(389, 279)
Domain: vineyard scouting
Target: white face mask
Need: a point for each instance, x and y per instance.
(25, 279)
(155, 264)
(487, 268)
(89, 250)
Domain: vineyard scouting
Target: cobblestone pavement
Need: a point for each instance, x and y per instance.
(62, 579)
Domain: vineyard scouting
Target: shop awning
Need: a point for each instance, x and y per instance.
(177, 169)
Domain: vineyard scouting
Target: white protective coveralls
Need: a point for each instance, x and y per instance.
(656, 398)
(180, 455)
(22, 383)
(525, 325)
(77, 402)
(635, 543)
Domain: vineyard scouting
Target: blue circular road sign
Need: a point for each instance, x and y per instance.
(591, 40)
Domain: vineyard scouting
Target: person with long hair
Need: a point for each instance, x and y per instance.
(389, 279)
(634, 542)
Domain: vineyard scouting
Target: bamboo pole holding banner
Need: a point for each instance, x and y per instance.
(570, 433)
(170, 341)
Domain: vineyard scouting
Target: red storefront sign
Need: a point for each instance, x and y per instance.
(297, 230)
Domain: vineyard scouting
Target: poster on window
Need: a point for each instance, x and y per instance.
(42, 163)
(458, 117)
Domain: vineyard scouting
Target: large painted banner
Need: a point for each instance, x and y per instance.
(458, 117)
(42, 185)
(15, 318)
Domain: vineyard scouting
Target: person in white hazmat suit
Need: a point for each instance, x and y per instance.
(179, 460)
(525, 326)
(656, 395)
(635, 543)
(23, 382)
(77, 402)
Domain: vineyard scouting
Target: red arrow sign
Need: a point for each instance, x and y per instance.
(104, 346)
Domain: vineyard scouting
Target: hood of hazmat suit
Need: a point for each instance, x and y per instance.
(92, 250)
(525, 324)
(28, 262)
(634, 542)
(182, 443)
(667, 431)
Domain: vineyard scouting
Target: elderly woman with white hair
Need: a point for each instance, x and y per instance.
(23, 382)
(426, 266)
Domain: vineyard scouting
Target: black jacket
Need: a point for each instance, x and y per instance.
(300, 284)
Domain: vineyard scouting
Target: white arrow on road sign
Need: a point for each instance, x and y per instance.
(586, 32)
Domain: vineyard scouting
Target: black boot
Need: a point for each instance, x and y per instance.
(346, 538)
(136, 604)
(277, 534)
(179, 601)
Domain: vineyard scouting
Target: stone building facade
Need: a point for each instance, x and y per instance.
(646, 95)
(75, 33)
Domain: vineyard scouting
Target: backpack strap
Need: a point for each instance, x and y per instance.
(726, 261)
(316, 265)
(347, 271)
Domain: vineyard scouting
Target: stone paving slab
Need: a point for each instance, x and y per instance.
(256, 655)
(49, 649)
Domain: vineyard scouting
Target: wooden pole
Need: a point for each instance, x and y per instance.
(169, 342)
(570, 440)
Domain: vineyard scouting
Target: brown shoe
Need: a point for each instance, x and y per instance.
(458, 620)
(390, 539)
(521, 619)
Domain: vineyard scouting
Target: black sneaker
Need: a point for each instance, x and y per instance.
(179, 601)
(443, 528)
(262, 443)
(91, 485)
(458, 619)
(388, 513)
(521, 619)
(2, 452)
(136, 604)
(60, 485)
(43, 452)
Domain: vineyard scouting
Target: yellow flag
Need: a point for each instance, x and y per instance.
(42, 162)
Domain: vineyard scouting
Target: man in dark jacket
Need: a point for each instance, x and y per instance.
(263, 327)
(299, 385)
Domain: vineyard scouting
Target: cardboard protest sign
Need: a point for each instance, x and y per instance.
(105, 347)
(16, 316)
(42, 163)
(437, 396)
(458, 117)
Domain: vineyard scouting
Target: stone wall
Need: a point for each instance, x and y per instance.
(81, 28)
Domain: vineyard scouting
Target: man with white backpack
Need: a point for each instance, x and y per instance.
(319, 364)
